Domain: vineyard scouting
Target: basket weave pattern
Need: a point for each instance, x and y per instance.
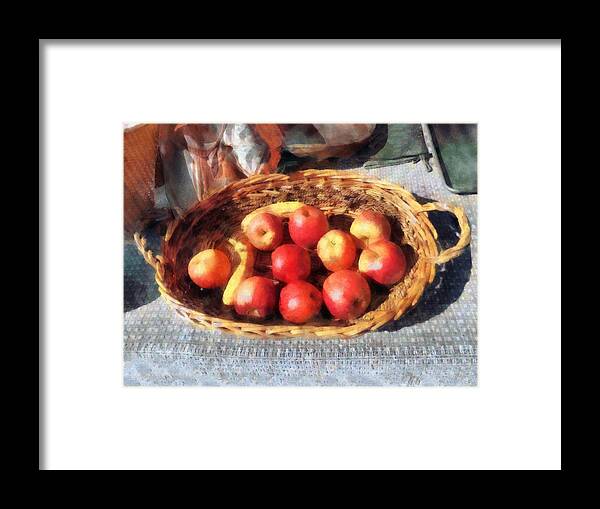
(341, 195)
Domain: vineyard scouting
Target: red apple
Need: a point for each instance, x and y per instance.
(265, 231)
(210, 268)
(383, 262)
(290, 262)
(255, 297)
(307, 225)
(336, 250)
(299, 301)
(346, 294)
(370, 226)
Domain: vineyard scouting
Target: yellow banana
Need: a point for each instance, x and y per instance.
(283, 209)
(245, 268)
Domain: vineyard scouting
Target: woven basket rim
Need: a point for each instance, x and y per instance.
(371, 320)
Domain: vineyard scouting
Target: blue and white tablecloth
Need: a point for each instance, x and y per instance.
(433, 344)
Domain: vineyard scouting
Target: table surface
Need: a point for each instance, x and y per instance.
(433, 344)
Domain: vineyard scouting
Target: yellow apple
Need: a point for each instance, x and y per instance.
(369, 227)
(336, 250)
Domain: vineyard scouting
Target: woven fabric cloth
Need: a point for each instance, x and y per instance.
(435, 343)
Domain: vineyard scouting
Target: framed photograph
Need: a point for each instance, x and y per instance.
(300, 255)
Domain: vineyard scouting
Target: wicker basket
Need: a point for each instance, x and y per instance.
(340, 194)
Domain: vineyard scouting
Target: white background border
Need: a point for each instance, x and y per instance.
(512, 420)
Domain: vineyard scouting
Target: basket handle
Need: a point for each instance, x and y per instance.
(463, 223)
(151, 260)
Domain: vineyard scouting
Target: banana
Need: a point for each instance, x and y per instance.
(245, 268)
(283, 209)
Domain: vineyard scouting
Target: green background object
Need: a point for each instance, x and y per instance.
(456, 145)
(405, 143)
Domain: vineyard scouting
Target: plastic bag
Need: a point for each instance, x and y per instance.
(195, 160)
(199, 159)
(323, 141)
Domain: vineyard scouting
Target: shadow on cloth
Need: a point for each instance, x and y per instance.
(139, 285)
(450, 279)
